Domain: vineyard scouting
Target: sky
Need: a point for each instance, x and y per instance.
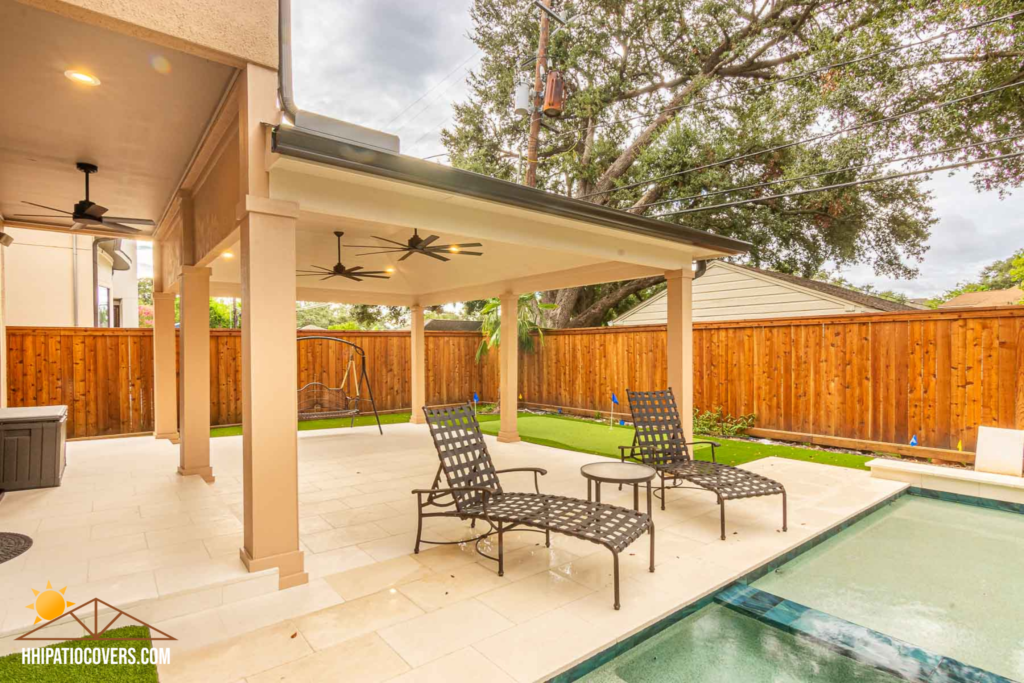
(398, 66)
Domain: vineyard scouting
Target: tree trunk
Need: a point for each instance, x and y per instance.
(594, 314)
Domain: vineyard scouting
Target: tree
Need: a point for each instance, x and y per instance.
(840, 281)
(146, 291)
(656, 87)
(1003, 274)
(528, 318)
(220, 314)
(320, 315)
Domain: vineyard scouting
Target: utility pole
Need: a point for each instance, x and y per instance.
(538, 98)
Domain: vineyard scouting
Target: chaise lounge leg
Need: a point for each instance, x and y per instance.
(615, 565)
(721, 506)
(651, 529)
(501, 551)
(547, 538)
(784, 510)
(419, 531)
(662, 492)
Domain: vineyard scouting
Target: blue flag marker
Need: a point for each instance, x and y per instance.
(622, 423)
(913, 440)
(615, 399)
(611, 413)
(475, 397)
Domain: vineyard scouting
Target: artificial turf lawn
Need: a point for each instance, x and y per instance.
(11, 668)
(585, 436)
(600, 439)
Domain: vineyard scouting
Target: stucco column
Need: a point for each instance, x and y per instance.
(418, 364)
(3, 325)
(164, 367)
(508, 352)
(194, 390)
(270, 472)
(680, 343)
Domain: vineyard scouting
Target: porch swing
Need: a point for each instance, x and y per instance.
(318, 401)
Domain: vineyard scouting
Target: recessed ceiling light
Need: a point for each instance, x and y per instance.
(454, 249)
(389, 269)
(81, 77)
(228, 254)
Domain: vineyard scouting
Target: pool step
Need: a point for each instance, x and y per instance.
(856, 642)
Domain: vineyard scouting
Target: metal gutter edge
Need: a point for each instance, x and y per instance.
(309, 146)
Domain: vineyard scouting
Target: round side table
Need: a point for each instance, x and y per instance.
(597, 473)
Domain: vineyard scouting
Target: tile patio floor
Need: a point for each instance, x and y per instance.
(125, 528)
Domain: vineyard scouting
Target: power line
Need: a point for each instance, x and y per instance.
(852, 183)
(430, 105)
(432, 88)
(855, 167)
(804, 74)
(814, 138)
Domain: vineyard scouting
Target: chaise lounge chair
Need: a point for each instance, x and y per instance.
(659, 442)
(474, 492)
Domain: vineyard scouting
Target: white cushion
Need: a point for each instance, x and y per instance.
(1000, 451)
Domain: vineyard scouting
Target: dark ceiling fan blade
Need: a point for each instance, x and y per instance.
(407, 255)
(96, 211)
(327, 278)
(36, 215)
(428, 241)
(468, 253)
(133, 221)
(48, 208)
(431, 254)
(375, 277)
(457, 246)
(354, 269)
(350, 276)
(118, 227)
(385, 239)
(388, 251)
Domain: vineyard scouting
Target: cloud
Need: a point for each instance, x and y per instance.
(365, 61)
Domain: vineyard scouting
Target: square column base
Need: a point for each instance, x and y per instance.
(508, 437)
(289, 566)
(205, 472)
(170, 436)
(417, 418)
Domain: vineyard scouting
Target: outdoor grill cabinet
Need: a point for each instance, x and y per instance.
(32, 447)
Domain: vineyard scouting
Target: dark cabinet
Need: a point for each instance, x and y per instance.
(32, 447)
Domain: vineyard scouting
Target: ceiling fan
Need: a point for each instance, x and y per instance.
(87, 214)
(421, 245)
(355, 273)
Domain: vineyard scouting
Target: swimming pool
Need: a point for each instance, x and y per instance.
(921, 589)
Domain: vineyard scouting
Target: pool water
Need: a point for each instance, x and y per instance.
(941, 576)
(718, 645)
(946, 577)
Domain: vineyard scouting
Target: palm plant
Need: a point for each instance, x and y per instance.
(528, 317)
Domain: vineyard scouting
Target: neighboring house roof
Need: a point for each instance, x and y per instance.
(851, 295)
(994, 297)
(438, 325)
(729, 291)
(312, 327)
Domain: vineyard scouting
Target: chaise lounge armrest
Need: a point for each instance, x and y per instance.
(536, 471)
(461, 489)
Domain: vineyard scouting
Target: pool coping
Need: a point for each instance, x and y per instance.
(598, 660)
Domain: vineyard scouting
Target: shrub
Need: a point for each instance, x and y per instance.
(716, 423)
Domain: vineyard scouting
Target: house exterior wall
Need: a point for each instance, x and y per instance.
(729, 293)
(39, 280)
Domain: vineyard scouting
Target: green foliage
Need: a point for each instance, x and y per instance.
(220, 314)
(529, 312)
(320, 315)
(716, 423)
(623, 62)
(145, 315)
(146, 291)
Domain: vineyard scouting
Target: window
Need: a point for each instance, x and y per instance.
(103, 307)
(117, 313)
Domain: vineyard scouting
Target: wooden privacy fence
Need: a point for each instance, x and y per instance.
(856, 380)
(104, 376)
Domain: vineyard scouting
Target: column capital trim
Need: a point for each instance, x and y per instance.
(196, 270)
(266, 206)
(679, 274)
(164, 295)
